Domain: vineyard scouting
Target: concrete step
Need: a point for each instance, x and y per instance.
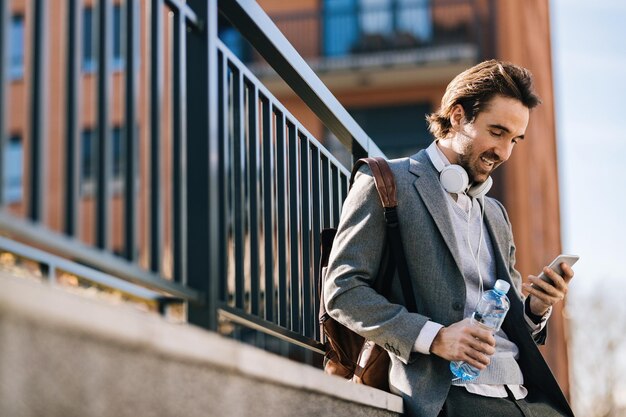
(62, 354)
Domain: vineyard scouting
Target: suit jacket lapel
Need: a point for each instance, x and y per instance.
(429, 189)
(499, 237)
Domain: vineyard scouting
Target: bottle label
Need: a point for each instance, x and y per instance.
(491, 321)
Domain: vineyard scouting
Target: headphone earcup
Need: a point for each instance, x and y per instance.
(478, 191)
(454, 179)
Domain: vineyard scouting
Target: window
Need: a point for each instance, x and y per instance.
(118, 55)
(375, 25)
(13, 157)
(410, 130)
(341, 26)
(90, 47)
(88, 158)
(376, 17)
(16, 48)
(414, 18)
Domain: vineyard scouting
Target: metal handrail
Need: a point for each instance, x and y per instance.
(113, 265)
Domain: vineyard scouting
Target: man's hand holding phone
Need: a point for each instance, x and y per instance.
(550, 286)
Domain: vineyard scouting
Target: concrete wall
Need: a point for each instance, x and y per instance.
(65, 355)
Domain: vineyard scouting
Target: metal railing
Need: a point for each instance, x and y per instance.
(233, 184)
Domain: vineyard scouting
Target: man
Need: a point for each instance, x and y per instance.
(456, 242)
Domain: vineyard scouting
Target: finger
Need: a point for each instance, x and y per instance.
(482, 347)
(477, 359)
(542, 296)
(568, 272)
(557, 279)
(482, 335)
(555, 292)
(546, 287)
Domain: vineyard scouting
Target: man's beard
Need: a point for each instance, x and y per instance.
(465, 160)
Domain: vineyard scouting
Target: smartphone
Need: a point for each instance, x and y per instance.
(555, 265)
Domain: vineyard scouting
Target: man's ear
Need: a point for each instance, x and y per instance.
(457, 116)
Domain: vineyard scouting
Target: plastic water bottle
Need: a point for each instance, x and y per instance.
(489, 314)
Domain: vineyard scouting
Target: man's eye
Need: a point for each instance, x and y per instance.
(496, 133)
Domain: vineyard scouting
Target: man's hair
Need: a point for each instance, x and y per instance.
(476, 86)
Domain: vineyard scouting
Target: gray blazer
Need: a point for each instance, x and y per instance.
(438, 285)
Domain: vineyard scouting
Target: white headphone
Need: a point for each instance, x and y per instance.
(454, 178)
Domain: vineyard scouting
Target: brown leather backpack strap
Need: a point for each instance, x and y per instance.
(386, 186)
(383, 178)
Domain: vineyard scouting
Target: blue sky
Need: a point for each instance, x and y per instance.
(589, 60)
(589, 64)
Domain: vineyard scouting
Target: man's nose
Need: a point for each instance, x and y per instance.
(504, 150)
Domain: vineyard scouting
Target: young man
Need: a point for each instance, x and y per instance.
(457, 242)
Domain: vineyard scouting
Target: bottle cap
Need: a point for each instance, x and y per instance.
(502, 286)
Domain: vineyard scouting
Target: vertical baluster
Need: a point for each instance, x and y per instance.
(179, 135)
(343, 184)
(326, 192)
(204, 261)
(294, 227)
(224, 204)
(156, 92)
(38, 135)
(4, 28)
(103, 148)
(253, 181)
(72, 119)
(282, 216)
(305, 236)
(239, 218)
(268, 208)
(316, 228)
(130, 109)
(336, 203)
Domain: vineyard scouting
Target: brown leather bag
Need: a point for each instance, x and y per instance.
(348, 354)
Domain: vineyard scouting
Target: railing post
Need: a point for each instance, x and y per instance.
(72, 118)
(205, 265)
(38, 136)
(156, 107)
(4, 33)
(130, 112)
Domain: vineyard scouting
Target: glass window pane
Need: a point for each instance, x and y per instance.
(341, 28)
(118, 56)
(16, 48)
(414, 17)
(13, 170)
(87, 158)
(376, 17)
(89, 52)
